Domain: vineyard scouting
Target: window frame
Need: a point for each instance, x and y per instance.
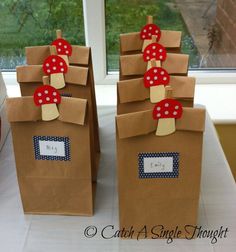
(95, 37)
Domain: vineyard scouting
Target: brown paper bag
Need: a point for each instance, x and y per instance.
(53, 159)
(159, 177)
(133, 96)
(131, 43)
(134, 65)
(81, 56)
(77, 85)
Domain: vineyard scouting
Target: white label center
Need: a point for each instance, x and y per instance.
(52, 148)
(158, 164)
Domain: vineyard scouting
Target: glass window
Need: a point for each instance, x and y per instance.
(33, 22)
(207, 26)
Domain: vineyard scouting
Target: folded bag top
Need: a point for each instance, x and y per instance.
(134, 90)
(132, 42)
(23, 109)
(142, 123)
(34, 73)
(35, 55)
(134, 65)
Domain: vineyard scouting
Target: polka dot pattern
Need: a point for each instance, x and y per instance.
(66, 141)
(149, 30)
(66, 94)
(154, 51)
(54, 64)
(167, 108)
(150, 175)
(63, 47)
(156, 76)
(46, 94)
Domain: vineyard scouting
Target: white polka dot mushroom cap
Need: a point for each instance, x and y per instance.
(156, 76)
(54, 64)
(149, 30)
(46, 94)
(154, 51)
(167, 108)
(63, 47)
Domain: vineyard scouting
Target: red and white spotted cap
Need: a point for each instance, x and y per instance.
(54, 64)
(154, 51)
(46, 94)
(149, 30)
(167, 108)
(156, 76)
(63, 47)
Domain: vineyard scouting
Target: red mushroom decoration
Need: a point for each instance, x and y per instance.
(64, 48)
(166, 111)
(148, 31)
(47, 97)
(56, 67)
(156, 78)
(154, 51)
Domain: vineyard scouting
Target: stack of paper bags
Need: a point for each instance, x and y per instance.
(55, 130)
(158, 173)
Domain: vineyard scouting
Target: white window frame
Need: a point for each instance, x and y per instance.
(95, 37)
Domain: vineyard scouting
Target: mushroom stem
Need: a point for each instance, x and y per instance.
(49, 112)
(157, 64)
(57, 80)
(65, 58)
(53, 50)
(166, 126)
(157, 93)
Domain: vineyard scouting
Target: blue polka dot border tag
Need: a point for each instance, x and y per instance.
(158, 165)
(66, 94)
(52, 148)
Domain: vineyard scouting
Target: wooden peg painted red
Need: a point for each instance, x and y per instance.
(148, 31)
(154, 51)
(156, 78)
(47, 97)
(64, 48)
(55, 67)
(166, 111)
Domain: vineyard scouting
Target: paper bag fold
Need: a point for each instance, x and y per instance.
(142, 123)
(23, 109)
(129, 42)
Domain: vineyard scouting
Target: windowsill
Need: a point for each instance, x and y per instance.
(219, 99)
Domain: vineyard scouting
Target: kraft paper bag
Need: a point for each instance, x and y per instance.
(81, 56)
(134, 65)
(159, 177)
(77, 85)
(53, 158)
(133, 96)
(131, 43)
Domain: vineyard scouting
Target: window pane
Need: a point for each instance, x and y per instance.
(33, 22)
(208, 27)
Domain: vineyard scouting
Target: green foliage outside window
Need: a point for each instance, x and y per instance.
(124, 16)
(33, 22)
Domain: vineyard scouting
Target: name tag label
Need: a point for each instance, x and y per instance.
(51, 148)
(158, 165)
